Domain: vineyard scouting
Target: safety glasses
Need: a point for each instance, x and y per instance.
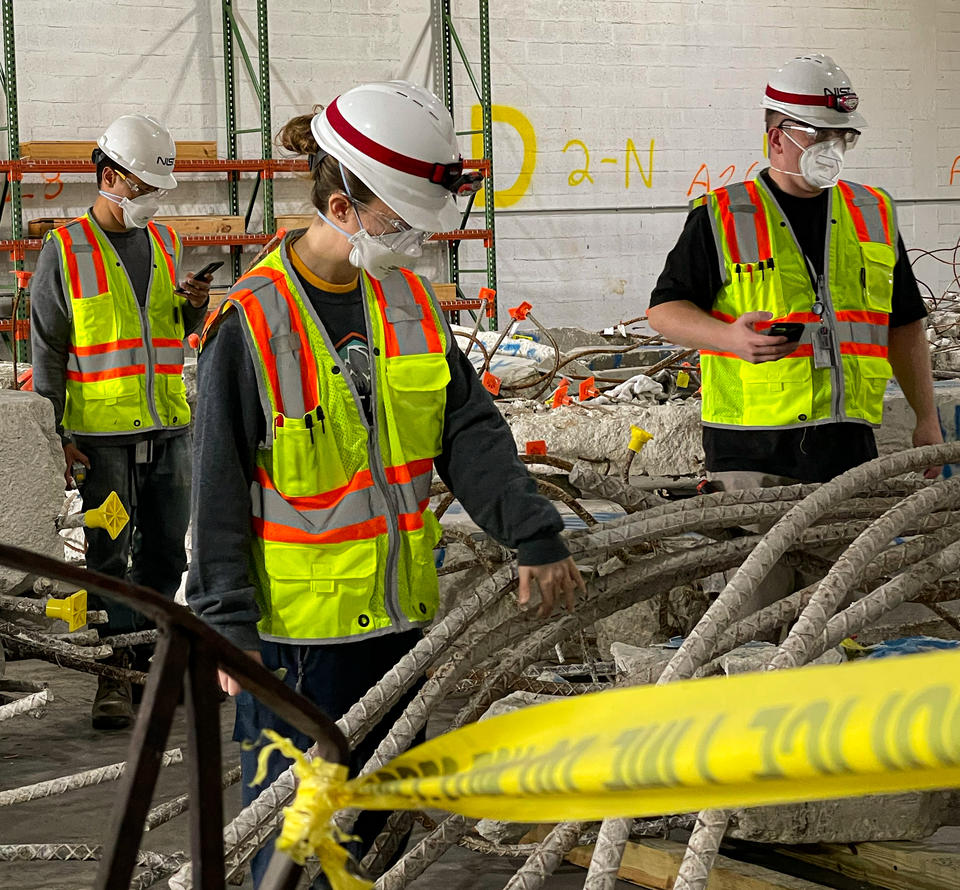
(847, 135)
(139, 189)
(394, 228)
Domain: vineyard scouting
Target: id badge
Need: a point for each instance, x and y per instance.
(143, 452)
(823, 348)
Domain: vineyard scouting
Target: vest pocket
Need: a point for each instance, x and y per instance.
(420, 587)
(94, 320)
(878, 262)
(171, 399)
(777, 393)
(418, 396)
(105, 405)
(322, 591)
(306, 459)
(872, 375)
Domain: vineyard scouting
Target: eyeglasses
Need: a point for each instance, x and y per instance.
(139, 189)
(847, 135)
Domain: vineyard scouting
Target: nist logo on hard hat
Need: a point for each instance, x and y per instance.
(842, 98)
(167, 162)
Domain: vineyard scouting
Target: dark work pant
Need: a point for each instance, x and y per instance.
(150, 549)
(334, 677)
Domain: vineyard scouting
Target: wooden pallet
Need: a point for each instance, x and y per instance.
(182, 225)
(56, 150)
(653, 863)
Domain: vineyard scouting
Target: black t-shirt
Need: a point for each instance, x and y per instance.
(811, 454)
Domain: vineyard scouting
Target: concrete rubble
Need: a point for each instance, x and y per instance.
(31, 479)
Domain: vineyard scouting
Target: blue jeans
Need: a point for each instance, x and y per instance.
(334, 677)
(150, 549)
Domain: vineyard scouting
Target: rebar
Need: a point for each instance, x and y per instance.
(34, 704)
(164, 812)
(84, 779)
(51, 645)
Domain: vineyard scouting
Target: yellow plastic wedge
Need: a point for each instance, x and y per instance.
(110, 515)
(73, 610)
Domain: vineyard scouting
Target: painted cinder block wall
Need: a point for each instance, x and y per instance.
(610, 114)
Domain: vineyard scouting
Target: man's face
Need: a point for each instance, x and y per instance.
(124, 185)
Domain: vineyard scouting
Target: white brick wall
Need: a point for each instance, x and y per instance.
(687, 75)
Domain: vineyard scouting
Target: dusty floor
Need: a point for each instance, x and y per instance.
(63, 742)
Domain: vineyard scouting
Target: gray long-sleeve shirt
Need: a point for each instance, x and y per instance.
(50, 325)
(479, 463)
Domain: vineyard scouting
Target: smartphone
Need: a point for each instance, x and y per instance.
(792, 330)
(205, 273)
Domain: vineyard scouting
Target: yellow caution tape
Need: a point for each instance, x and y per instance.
(871, 727)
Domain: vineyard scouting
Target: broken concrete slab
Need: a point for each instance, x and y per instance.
(852, 820)
(31, 479)
(601, 433)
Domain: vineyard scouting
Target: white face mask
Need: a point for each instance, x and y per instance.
(821, 163)
(137, 212)
(379, 255)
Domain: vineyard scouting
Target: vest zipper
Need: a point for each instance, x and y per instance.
(821, 295)
(147, 339)
(836, 371)
(391, 595)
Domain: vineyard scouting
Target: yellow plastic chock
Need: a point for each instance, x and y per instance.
(110, 515)
(638, 438)
(73, 610)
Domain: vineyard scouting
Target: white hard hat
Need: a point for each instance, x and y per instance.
(144, 146)
(399, 139)
(814, 90)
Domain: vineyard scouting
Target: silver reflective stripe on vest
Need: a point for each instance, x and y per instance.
(861, 332)
(404, 314)
(168, 355)
(106, 361)
(82, 251)
(744, 213)
(872, 210)
(284, 343)
(352, 509)
(849, 332)
(168, 241)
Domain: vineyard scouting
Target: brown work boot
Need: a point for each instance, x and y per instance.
(113, 705)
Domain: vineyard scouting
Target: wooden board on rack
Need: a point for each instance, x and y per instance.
(894, 865)
(291, 221)
(446, 293)
(653, 863)
(57, 150)
(182, 225)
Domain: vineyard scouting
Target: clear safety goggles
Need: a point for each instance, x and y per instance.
(847, 135)
(138, 188)
(397, 233)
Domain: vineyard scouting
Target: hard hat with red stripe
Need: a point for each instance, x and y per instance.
(814, 90)
(399, 139)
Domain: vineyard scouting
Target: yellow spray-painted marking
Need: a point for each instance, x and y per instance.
(507, 114)
(809, 734)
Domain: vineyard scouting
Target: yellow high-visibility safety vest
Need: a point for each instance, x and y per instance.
(840, 369)
(342, 535)
(125, 363)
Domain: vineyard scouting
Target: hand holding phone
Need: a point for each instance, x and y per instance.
(205, 274)
(792, 330)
